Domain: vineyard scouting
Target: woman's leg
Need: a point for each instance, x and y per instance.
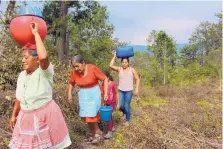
(128, 98)
(91, 128)
(121, 101)
(97, 132)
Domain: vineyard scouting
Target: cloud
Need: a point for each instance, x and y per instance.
(135, 20)
(179, 29)
(171, 24)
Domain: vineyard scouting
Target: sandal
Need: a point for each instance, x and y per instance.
(113, 129)
(96, 139)
(99, 132)
(88, 139)
(108, 136)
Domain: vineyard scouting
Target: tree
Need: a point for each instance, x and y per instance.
(5, 24)
(163, 47)
(64, 41)
(189, 54)
(207, 37)
(81, 23)
(96, 36)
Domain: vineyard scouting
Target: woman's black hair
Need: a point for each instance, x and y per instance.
(125, 58)
(78, 59)
(108, 74)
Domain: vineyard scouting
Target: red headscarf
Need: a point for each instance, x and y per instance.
(29, 46)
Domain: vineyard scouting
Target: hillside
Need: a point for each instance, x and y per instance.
(163, 117)
(142, 48)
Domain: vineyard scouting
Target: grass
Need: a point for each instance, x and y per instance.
(163, 117)
(174, 117)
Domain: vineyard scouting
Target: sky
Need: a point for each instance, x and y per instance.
(134, 20)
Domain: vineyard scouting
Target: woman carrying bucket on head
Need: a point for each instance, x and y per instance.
(125, 87)
(37, 121)
(113, 101)
(86, 76)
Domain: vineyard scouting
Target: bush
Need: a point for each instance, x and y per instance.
(192, 74)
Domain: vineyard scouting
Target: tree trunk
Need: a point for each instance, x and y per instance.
(9, 11)
(66, 51)
(63, 29)
(164, 64)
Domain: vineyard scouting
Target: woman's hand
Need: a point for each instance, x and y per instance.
(117, 106)
(114, 55)
(12, 122)
(136, 92)
(34, 28)
(105, 97)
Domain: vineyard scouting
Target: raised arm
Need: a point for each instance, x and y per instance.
(111, 65)
(41, 51)
(136, 77)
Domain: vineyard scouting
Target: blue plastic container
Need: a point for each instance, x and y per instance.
(30, 11)
(38, 12)
(105, 113)
(26, 11)
(126, 51)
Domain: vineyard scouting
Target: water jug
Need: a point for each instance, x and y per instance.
(20, 26)
(124, 52)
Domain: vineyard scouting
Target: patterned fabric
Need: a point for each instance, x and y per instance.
(41, 128)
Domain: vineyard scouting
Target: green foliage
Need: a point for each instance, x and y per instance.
(163, 48)
(10, 66)
(204, 40)
(89, 31)
(119, 139)
(194, 73)
(204, 104)
(51, 14)
(207, 36)
(196, 62)
(189, 54)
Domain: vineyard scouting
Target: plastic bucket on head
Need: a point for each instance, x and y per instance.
(105, 113)
(124, 52)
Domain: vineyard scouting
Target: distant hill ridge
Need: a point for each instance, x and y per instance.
(142, 48)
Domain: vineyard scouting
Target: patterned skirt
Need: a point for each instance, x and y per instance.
(40, 128)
